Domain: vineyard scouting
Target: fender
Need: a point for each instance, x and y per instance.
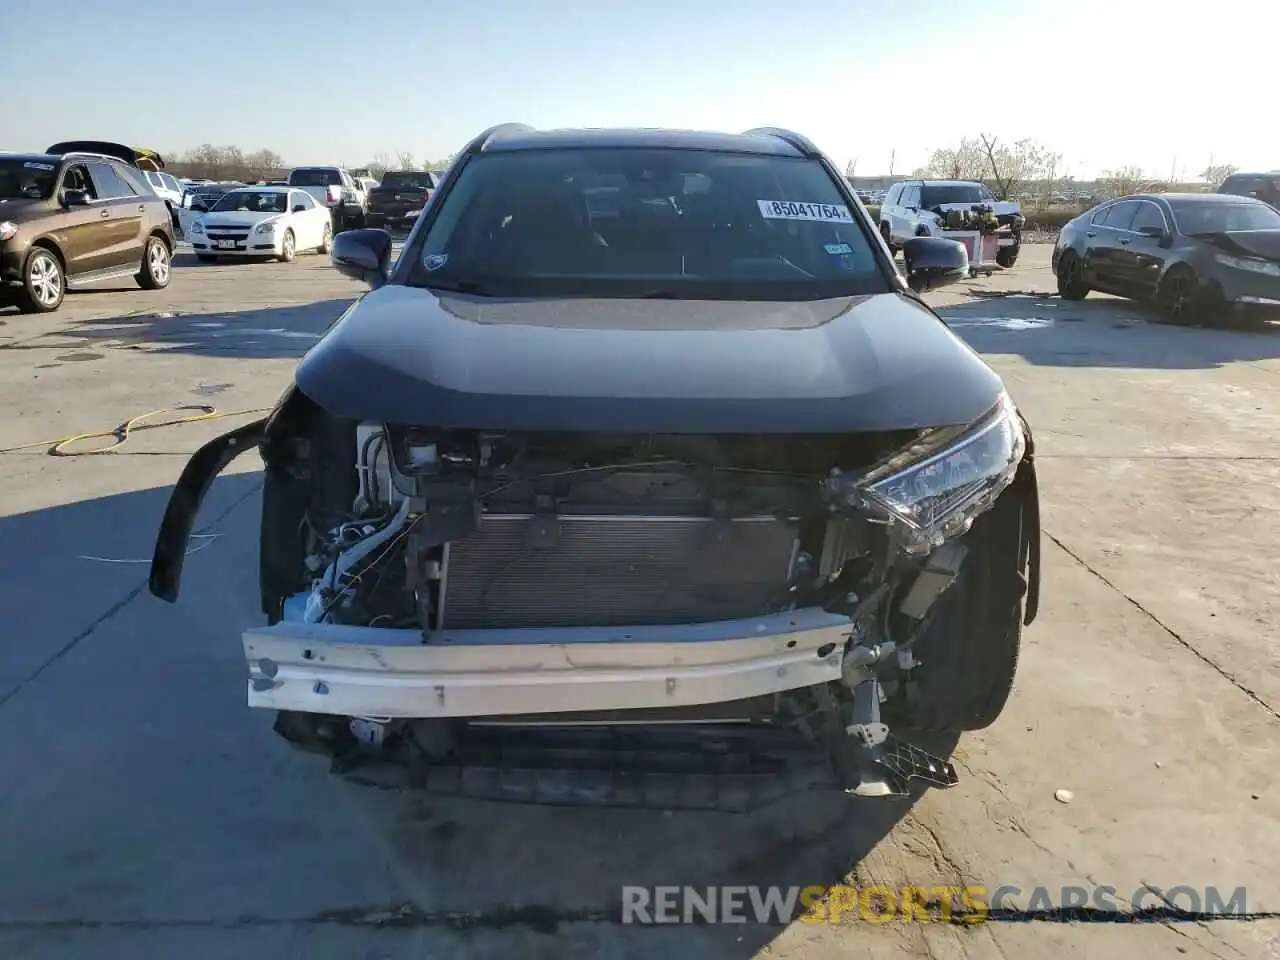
(1026, 479)
(184, 504)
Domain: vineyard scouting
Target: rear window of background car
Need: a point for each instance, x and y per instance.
(315, 178)
(399, 180)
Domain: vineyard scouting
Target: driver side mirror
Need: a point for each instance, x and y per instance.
(363, 254)
(1157, 233)
(75, 198)
(199, 208)
(934, 262)
(299, 208)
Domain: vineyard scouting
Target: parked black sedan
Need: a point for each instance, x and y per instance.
(1199, 256)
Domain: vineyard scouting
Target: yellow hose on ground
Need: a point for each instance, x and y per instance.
(120, 435)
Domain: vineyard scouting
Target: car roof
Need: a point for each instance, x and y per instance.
(1192, 197)
(33, 157)
(318, 166)
(503, 141)
(264, 188)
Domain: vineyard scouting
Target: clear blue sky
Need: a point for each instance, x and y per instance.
(1106, 82)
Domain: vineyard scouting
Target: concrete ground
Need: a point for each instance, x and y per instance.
(146, 812)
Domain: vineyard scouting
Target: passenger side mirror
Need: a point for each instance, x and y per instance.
(75, 198)
(934, 262)
(199, 207)
(299, 208)
(363, 255)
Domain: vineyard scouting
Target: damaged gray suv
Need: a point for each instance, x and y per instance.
(643, 477)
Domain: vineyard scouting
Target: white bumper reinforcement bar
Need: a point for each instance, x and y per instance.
(373, 672)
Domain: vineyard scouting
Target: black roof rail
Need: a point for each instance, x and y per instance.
(478, 143)
(801, 143)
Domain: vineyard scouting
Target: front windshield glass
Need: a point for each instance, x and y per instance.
(1208, 217)
(635, 222)
(27, 179)
(252, 201)
(932, 196)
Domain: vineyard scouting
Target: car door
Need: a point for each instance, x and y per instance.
(82, 232)
(120, 208)
(309, 220)
(1102, 243)
(887, 205)
(908, 212)
(1140, 257)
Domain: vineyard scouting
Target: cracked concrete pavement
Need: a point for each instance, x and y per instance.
(145, 811)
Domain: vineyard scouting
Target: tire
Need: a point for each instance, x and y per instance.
(326, 239)
(1184, 301)
(288, 247)
(156, 264)
(1008, 256)
(1177, 296)
(44, 282)
(888, 242)
(1071, 285)
(968, 656)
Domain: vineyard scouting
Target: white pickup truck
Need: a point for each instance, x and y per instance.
(336, 189)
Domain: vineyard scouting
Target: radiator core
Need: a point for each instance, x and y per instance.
(605, 570)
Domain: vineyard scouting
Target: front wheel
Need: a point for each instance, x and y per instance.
(288, 247)
(43, 284)
(1178, 296)
(154, 274)
(326, 239)
(1071, 285)
(968, 656)
(888, 237)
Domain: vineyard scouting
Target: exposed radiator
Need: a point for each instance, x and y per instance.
(562, 571)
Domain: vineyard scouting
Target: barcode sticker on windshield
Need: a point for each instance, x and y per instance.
(799, 210)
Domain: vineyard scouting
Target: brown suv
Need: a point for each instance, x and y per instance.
(71, 218)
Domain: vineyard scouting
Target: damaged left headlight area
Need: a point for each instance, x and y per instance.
(425, 583)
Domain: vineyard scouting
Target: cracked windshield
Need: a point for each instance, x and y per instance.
(582, 480)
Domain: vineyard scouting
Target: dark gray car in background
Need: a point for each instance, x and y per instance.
(1199, 257)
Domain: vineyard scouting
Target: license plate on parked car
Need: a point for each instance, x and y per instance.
(226, 244)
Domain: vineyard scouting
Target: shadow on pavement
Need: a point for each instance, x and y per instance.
(1049, 331)
(142, 795)
(269, 332)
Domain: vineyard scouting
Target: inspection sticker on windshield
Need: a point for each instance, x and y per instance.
(33, 165)
(434, 261)
(798, 210)
(835, 249)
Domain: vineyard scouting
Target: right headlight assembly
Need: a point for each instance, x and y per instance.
(936, 488)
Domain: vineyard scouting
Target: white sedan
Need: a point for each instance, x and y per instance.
(261, 222)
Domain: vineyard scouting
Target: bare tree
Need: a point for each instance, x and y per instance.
(1120, 182)
(228, 163)
(963, 162)
(404, 158)
(1215, 173)
(851, 168)
(264, 165)
(379, 165)
(1012, 165)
